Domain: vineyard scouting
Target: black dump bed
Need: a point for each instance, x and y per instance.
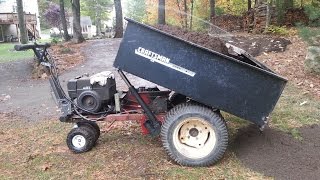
(244, 88)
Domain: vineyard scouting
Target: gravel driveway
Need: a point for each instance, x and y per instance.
(32, 100)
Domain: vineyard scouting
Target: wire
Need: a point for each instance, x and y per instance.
(90, 119)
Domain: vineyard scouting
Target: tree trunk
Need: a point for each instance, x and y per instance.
(191, 12)
(119, 21)
(98, 21)
(259, 2)
(185, 13)
(77, 33)
(212, 8)
(288, 4)
(249, 4)
(162, 12)
(64, 21)
(22, 25)
(181, 14)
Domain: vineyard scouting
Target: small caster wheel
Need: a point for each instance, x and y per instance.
(93, 125)
(81, 139)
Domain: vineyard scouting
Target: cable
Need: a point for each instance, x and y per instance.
(91, 119)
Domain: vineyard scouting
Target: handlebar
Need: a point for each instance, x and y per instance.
(22, 47)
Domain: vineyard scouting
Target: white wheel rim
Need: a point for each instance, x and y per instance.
(78, 141)
(194, 138)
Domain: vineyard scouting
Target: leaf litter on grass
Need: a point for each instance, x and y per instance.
(38, 150)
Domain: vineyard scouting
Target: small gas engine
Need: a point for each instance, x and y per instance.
(93, 93)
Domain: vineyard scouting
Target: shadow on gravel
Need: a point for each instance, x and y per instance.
(277, 154)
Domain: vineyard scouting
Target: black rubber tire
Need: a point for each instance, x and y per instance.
(93, 125)
(180, 113)
(85, 132)
(177, 98)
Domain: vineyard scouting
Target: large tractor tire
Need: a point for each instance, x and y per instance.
(194, 135)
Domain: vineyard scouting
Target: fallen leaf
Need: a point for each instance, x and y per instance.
(303, 103)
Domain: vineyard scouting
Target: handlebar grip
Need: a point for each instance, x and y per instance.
(21, 47)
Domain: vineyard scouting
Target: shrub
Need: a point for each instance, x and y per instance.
(277, 30)
(310, 35)
(54, 40)
(313, 13)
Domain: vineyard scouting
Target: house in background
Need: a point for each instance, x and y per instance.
(88, 30)
(9, 23)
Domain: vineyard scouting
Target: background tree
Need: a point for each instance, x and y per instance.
(249, 5)
(22, 25)
(136, 9)
(191, 11)
(64, 21)
(161, 12)
(45, 4)
(185, 7)
(52, 15)
(98, 10)
(119, 21)
(77, 33)
(212, 8)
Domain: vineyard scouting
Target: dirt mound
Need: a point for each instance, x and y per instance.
(202, 39)
(253, 44)
(290, 64)
(294, 16)
(277, 154)
(231, 23)
(256, 45)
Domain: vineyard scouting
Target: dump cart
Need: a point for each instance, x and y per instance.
(200, 83)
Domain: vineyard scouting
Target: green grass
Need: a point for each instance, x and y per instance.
(294, 110)
(7, 53)
(45, 31)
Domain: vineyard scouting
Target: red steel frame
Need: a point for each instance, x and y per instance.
(132, 111)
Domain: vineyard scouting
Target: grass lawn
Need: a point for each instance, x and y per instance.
(45, 31)
(32, 150)
(7, 53)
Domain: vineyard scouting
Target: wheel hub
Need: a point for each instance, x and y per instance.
(194, 132)
(194, 137)
(78, 141)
